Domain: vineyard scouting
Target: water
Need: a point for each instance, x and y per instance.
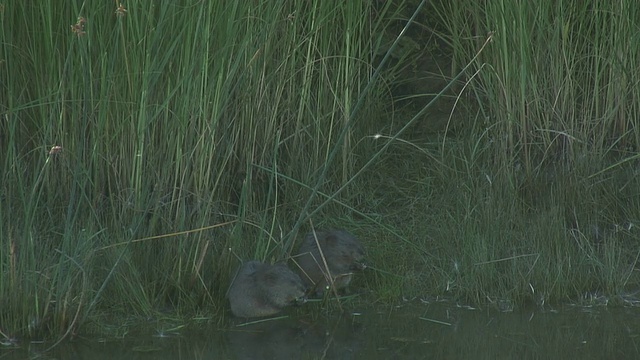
(418, 331)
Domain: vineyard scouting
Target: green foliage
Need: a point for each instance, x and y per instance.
(147, 147)
(534, 199)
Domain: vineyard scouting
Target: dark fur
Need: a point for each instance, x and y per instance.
(261, 289)
(343, 254)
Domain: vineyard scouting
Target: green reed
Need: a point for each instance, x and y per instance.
(146, 147)
(541, 205)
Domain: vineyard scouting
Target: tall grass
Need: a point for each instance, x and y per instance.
(558, 79)
(146, 146)
(536, 202)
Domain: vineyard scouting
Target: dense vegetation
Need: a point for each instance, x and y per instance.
(147, 147)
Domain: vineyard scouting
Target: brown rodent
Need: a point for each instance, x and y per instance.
(261, 289)
(343, 254)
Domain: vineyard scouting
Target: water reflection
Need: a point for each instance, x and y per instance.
(417, 331)
(297, 339)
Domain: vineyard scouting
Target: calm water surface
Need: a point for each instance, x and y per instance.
(424, 331)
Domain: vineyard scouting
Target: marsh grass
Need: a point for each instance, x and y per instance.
(148, 148)
(534, 199)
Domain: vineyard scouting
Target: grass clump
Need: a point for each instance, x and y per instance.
(532, 199)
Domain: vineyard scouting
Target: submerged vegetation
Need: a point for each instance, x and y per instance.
(484, 152)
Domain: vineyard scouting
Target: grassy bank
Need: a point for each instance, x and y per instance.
(527, 193)
(147, 148)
